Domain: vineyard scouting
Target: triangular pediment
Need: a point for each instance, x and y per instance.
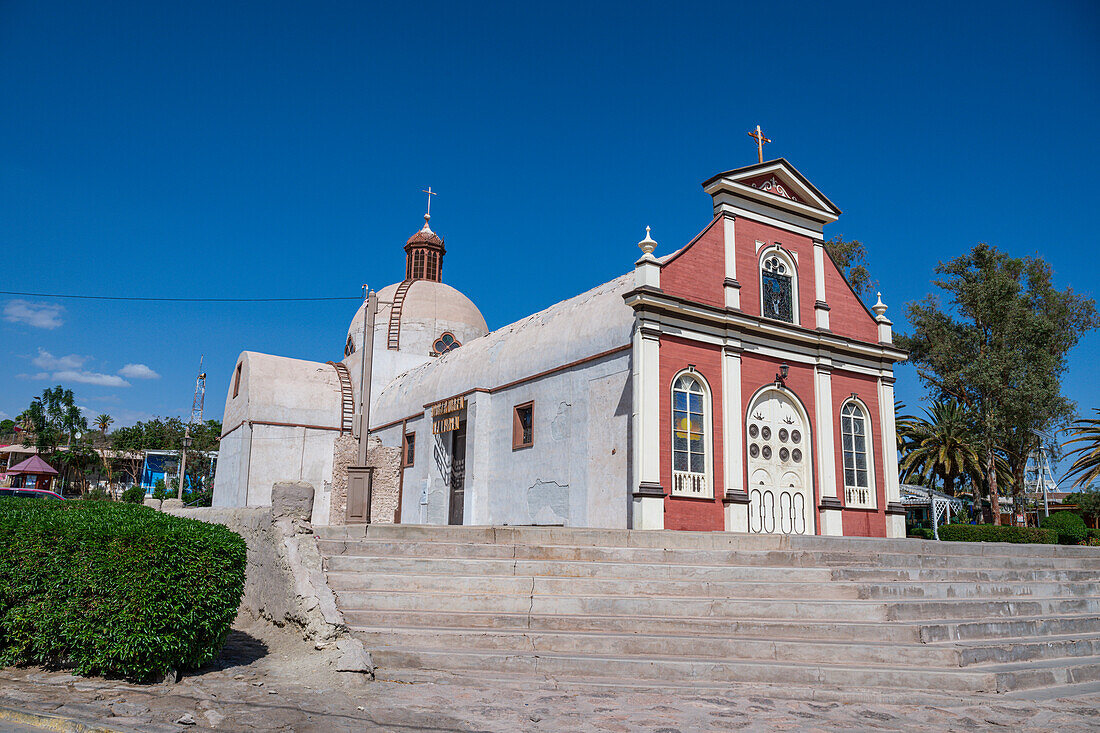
(775, 183)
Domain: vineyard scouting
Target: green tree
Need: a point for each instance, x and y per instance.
(167, 434)
(1000, 347)
(103, 422)
(52, 420)
(850, 257)
(1085, 435)
(7, 427)
(1087, 501)
(941, 445)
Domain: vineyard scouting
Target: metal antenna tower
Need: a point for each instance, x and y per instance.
(200, 396)
(1038, 477)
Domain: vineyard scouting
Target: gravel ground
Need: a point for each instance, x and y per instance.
(267, 679)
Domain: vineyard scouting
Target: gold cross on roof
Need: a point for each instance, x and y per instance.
(760, 140)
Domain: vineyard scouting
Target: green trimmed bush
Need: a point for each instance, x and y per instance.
(997, 533)
(134, 495)
(1070, 527)
(920, 533)
(115, 589)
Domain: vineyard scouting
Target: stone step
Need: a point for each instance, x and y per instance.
(670, 539)
(909, 632)
(1007, 650)
(771, 558)
(966, 575)
(542, 585)
(899, 632)
(571, 569)
(760, 573)
(811, 608)
(993, 678)
(826, 651)
(1020, 626)
(525, 586)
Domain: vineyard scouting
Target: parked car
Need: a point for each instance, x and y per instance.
(31, 494)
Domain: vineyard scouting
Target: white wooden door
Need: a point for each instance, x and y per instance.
(778, 452)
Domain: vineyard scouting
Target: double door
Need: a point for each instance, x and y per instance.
(778, 450)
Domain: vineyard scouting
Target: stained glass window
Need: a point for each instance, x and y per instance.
(776, 286)
(443, 344)
(688, 432)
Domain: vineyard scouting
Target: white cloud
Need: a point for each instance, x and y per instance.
(70, 369)
(38, 315)
(46, 360)
(138, 371)
(84, 377)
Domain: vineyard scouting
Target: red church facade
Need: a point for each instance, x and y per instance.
(763, 386)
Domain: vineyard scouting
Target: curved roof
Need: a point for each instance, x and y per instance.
(431, 306)
(588, 324)
(425, 236)
(281, 390)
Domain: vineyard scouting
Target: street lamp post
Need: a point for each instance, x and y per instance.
(183, 460)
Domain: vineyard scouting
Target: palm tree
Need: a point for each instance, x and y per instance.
(943, 444)
(103, 422)
(1086, 466)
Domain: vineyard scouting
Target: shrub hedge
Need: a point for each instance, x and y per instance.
(920, 533)
(114, 588)
(1070, 527)
(997, 533)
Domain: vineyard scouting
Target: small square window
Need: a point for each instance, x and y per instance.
(523, 426)
(409, 450)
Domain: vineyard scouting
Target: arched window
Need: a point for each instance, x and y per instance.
(349, 347)
(859, 470)
(691, 439)
(778, 286)
(418, 265)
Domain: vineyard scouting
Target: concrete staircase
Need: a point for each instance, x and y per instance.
(687, 608)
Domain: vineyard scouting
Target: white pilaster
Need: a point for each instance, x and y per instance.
(648, 497)
(895, 514)
(826, 451)
(736, 499)
(731, 286)
(821, 307)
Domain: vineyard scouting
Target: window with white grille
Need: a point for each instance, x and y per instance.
(859, 469)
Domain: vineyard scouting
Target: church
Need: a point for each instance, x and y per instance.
(735, 384)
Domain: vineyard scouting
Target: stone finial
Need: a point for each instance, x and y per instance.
(879, 308)
(647, 244)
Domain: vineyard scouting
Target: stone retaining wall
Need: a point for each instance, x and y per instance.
(284, 579)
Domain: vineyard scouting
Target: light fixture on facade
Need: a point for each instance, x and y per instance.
(781, 377)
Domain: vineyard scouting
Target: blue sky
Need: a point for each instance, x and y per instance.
(275, 149)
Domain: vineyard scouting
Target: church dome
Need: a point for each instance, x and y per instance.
(428, 311)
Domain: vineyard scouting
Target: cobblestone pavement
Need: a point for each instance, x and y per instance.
(268, 680)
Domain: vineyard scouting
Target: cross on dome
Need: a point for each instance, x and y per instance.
(428, 214)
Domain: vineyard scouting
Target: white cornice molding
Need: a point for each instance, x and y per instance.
(669, 311)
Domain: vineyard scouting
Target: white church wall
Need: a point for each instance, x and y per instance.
(569, 475)
(229, 475)
(575, 473)
(288, 453)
